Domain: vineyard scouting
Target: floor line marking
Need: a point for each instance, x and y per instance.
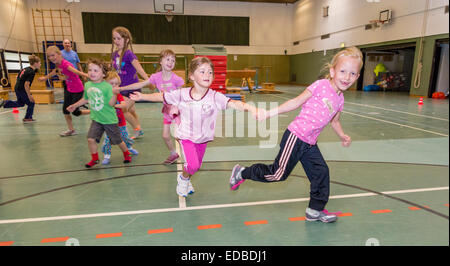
(55, 239)
(381, 211)
(392, 110)
(255, 222)
(7, 243)
(119, 234)
(210, 226)
(293, 219)
(386, 121)
(397, 124)
(159, 231)
(204, 207)
(387, 109)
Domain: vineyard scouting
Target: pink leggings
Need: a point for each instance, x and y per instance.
(193, 155)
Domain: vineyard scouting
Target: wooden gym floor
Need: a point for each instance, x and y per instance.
(391, 184)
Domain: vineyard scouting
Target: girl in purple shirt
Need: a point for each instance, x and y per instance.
(165, 81)
(322, 103)
(199, 106)
(126, 64)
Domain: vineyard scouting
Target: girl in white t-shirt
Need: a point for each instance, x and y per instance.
(198, 106)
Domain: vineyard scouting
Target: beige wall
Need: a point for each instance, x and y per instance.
(347, 19)
(21, 37)
(273, 27)
(270, 24)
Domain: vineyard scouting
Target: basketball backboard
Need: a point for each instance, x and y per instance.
(385, 16)
(174, 7)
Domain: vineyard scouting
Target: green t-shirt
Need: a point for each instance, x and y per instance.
(99, 95)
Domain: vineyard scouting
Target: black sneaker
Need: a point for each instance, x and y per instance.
(28, 120)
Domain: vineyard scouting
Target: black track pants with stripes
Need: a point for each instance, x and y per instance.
(292, 150)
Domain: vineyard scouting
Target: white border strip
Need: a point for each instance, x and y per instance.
(217, 206)
(397, 124)
(392, 110)
(381, 120)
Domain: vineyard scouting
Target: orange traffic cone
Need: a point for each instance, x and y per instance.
(15, 110)
(420, 101)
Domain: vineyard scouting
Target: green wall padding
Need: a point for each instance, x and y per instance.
(155, 29)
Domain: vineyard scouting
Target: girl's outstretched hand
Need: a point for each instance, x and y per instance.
(346, 140)
(262, 114)
(116, 90)
(71, 108)
(136, 96)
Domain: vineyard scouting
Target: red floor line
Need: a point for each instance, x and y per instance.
(119, 234)
(7, 243)
(381, 211)
(210, 226)
(446, 204)
(55, 239)
(159, 231)
(255, 222)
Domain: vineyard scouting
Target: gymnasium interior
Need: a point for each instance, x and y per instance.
(389, 188)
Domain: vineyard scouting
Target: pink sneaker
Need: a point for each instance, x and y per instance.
(335, 213)
(172, 158)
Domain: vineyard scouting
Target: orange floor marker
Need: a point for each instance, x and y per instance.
(293, 219)
(210, 226)
(255, 222)
(119, 234)
(7, 243)
(345, 214)
(159, 231)
(381, 211)
(414, 208)
(55, 239)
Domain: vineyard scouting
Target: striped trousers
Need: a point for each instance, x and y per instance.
(293, 150)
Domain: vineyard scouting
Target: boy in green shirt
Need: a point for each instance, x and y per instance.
(98, 93)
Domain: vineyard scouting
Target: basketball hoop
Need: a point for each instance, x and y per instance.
(377, 23)
(169, 16)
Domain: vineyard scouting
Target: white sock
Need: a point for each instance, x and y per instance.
(184, 178)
